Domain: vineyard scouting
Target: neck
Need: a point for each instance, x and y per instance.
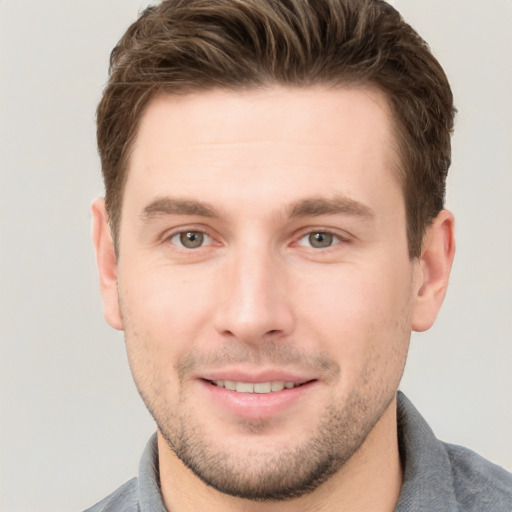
(370, 480)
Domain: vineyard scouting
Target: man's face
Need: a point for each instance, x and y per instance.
(265, 288)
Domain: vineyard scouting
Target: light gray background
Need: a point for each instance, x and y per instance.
(72, 424)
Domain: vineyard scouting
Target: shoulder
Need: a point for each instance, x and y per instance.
(124, 499)
(478, 484)
(444, 477)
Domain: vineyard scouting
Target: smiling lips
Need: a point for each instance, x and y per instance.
(256, 398)
(258, 387)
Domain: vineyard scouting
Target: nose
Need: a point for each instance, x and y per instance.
(254, 300)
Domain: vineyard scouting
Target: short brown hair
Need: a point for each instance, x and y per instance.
(183, 46)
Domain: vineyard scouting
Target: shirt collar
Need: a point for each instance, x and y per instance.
(428, 480)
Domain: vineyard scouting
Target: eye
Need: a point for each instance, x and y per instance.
(319, 240)
(191, 239)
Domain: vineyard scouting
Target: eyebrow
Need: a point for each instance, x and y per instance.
(339, 204)
(170, 206)
(309, 207)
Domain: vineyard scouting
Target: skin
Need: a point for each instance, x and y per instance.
(255, 174)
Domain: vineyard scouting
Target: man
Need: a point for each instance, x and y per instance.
(273, 230)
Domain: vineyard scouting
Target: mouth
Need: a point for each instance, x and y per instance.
(256, 397)
(256, 387)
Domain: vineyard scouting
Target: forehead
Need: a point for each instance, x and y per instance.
(291, 140)
(311, 113)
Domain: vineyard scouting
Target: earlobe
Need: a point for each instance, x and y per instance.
(434, 268)
(107, 264)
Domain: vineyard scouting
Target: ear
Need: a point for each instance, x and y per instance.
(107, 264)
(434, 267)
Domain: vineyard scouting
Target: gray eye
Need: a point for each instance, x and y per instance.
(319, 240)
(190, 239)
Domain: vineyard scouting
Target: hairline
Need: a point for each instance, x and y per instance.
(397, 152)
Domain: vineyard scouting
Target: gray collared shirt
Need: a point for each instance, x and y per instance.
(438, 477)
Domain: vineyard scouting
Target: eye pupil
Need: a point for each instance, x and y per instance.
(192, 239)
(319, 240)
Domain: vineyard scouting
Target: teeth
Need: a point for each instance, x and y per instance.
(259, 387)
(229, 384)
(244, 387)
(263, 387)
(277, 386)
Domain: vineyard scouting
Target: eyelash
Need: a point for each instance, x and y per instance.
(332, 238)
(182, 232)
(335, 239)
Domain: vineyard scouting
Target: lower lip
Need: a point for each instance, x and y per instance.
(257, 405)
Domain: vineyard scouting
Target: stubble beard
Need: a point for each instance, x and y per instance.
(272, 476)
(260, 475)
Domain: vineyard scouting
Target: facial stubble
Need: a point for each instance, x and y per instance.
(263, 474)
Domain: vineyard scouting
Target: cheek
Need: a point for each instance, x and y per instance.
(163, 312)
(347, 297)
(165, 298)
(357, 314)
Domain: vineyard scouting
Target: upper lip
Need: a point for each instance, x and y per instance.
(256, 376)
